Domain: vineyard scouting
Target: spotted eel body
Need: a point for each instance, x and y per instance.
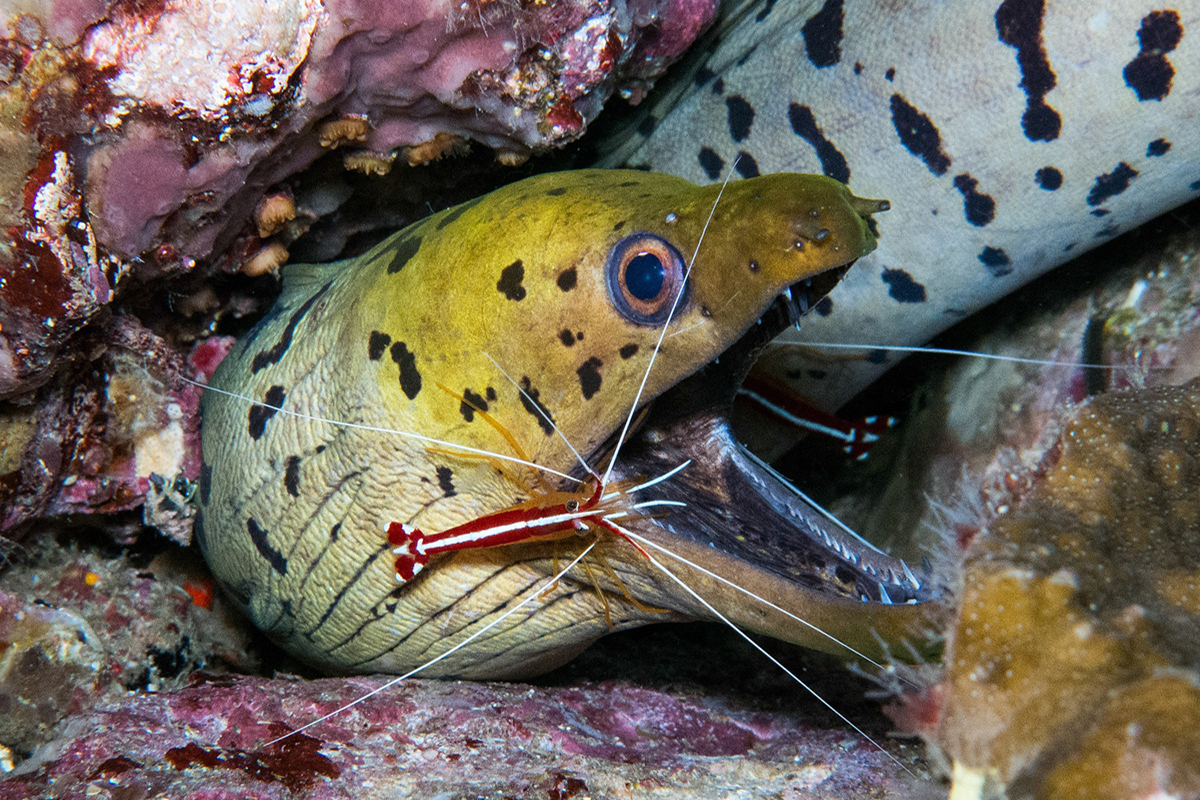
(1010, 137)
(301, 481)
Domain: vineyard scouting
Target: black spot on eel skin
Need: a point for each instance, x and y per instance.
(1019, 25)
(1111, 184)
(260, 414)
(473, 401)
(901, 286)
(589, 377)
(1049, 178)
(740, 115)
(510, 281)
(823, 35)
(377, 345)
(274, 353)
(259, 537)
(567, 279)
(919, 135)
(405, 250)
(529, 399)
(445, 481)
(1158, 147)
(711, 163)
(746, 165)
(457, 212)
(979, 208)
(804, 124)
(996, 260)
(410, 378)
(291, 476)
(1150, 74)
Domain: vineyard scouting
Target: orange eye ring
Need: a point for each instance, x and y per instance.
(644, 273)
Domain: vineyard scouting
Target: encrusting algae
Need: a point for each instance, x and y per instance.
(1072, 670)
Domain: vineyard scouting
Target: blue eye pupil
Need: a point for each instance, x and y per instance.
(644, 276)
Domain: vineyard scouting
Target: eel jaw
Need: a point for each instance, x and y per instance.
(742, 514)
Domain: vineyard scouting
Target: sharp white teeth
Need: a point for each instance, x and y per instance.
(912, 579)
(884, 597)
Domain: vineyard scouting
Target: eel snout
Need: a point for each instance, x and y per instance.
(745, 523)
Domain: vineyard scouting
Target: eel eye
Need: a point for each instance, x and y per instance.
(644, 274)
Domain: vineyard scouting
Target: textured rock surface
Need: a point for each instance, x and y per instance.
(1072, 670)
(1078, 618)
(78, 628)
(427, 739)
(145, 146)
(108, 432)
(139, 139)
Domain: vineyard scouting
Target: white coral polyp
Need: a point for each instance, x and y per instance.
(201, 56)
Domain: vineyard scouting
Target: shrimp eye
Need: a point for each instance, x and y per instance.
(644, 274)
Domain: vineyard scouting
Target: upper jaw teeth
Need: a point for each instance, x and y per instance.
(796, 308)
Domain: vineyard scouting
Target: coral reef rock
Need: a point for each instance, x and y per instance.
(1072, 670)
(137, 139)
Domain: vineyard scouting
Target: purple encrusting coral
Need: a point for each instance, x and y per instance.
(426, 739)
(95, 650)
(140, 137)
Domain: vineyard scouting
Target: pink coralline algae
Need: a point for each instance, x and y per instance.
(106, 434)
(138, 138)
(427, 739)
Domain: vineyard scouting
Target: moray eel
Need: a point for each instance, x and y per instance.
(1010, 137)
(543, 279)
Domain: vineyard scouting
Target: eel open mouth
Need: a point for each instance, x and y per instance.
(743, 513)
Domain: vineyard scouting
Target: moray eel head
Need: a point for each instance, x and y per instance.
(567, 283)
(537, 307)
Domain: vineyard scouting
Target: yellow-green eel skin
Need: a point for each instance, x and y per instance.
(301, 478)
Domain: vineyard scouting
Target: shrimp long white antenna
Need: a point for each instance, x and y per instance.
(642, 540)
(947, 351)
(653, 481)
(692, 592)
(463, 448)
(536, 407)
(534, 593)
(637, 398)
